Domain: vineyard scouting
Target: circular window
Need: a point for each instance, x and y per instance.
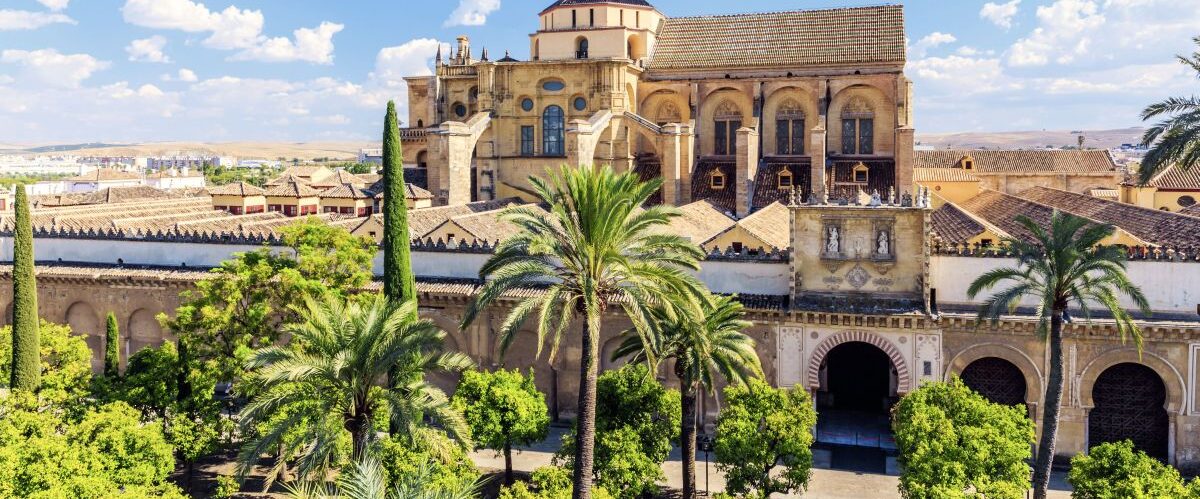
(580, 104)
(1186, 201)
(460, 110)
(553, 86)
(527, 105)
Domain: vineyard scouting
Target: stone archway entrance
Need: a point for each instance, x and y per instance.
(857, 387)
(1130, 404)
(998, 380)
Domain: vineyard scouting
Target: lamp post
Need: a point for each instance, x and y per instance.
(706, 445)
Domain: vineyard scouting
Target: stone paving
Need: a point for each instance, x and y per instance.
(825, 483)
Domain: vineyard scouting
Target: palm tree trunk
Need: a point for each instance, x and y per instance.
(688, 434)
(1050, 409)
(360, 428)
(585, 433)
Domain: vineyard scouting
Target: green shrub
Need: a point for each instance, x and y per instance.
(760, 429)
(1116, 470)
(227, 487)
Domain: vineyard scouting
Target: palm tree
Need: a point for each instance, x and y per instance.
(705, 342)
(365, 480)
(1176, 139)
(1061, 267)
(594, 248)
(330, 379)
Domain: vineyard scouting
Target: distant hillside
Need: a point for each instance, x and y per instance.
(265, 150)
(1100, 139)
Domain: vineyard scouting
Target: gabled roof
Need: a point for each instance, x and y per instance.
(830, 37)
(943, 175)
(412, 191)
(954, 226)
(487, 226)
(1153, 226)
(104, 174)
(1175, 178)
(286, 178)
(1017, 161)
(345, 191)
(699, 222)
(771, 224)
(292, 189)
(341, 177)
(242, 189)
(422, 221)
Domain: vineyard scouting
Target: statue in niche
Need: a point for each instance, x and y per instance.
(833, 246)
(884, 245)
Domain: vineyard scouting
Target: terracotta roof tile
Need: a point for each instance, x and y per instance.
(771, 224)
(236, 189)
(1175, 178)
(345, 191)
(422, 221)
(1018, 161)
(292, 189)
(702, 184)
(767, 182)
(341, 177)
(943, 175)
(699, 221)
(844, 36)
(1152, 226)
(954, 226)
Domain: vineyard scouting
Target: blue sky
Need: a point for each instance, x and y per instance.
(303, 70)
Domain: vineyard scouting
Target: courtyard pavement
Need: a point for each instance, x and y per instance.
(825, 483)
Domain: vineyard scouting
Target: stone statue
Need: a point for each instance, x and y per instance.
(833, 246)
(906, 200)
(884, 249)
(875, 201)
(892, 195)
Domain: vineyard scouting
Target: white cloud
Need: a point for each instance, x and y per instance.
(1064, 33)
(234, 29)
(471, 13)
(931, 40)
(50, 67)
(311, 45)
(25, 20)
(413, 58)
(187, 75)
(148, 49)
(1000, 14)
(55, 5)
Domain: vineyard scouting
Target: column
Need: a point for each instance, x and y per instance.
(904, 160)
(747, 168)
(816, 147)
(669, 152)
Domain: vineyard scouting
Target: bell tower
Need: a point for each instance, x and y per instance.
(591, 29)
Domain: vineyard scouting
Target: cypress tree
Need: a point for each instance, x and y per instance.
(399, 284)
(27, 365)
(112, 346)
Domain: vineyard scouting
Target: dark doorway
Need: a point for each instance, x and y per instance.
(1129, 405)
(853, 403)
(998, 380)
(858, 378)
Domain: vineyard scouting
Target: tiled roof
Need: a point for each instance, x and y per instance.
(242, 189)
(844, 36)
(943, 175)
(286, 178)
(1018, 161)
(1001, 210)
(104, 174)
(293, 189)
(1109, 194)
(568, 3)
(413, 191)
(1175, 178)
(699, 221)
(766, 183)
(345, 191)
(702, 187)
(487, 226)
(952, 225)
(771, 224)
(305, 170)
(422, 221)
(1191, 211)
(110, 195)
(1152, 226)
(341, 177)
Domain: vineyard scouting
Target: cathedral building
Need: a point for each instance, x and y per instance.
(787, 140)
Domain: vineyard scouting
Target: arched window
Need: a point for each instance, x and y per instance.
(726, 121)
(552, 131)
(536, 49)
(581, 48)
(789, 128)
(858, 127)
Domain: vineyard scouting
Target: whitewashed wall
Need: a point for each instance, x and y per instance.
(1170, 287)
(720, 276)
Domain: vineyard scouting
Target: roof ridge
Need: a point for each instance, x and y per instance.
(790, 11)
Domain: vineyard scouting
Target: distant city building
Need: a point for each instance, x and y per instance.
(370, 156)
(100, 179)
(196, 162)
(175, 178)
(259, 163)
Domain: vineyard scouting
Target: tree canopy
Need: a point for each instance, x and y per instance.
(955, 443)
(760, 429)
(503, 409)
